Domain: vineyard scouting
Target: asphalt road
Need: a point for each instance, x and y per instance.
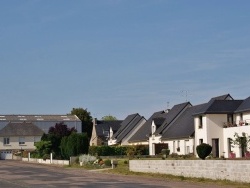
(20, 174)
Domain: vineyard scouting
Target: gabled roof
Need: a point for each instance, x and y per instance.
(222, 97)
(102, 126)
(171, 115)
(245, 106)
(21, 129)
(143, 133)
(127, 125)
(220, 107)
(32, 118)
(183, 127)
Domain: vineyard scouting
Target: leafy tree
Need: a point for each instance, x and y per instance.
(86, 119)
(203, 150)
(242, 141)
(43, 148)
(74, 144)
(55, 135)
(109, 118)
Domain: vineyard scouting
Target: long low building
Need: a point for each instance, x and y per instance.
(44, 122)
(20, 132)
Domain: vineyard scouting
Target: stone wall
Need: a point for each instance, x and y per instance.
(233, 170)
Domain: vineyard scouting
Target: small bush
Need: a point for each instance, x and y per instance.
(125, 162)
(46, 156)
(203, 150)
(107, 162)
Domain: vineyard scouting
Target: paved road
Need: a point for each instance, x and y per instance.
(19, 174)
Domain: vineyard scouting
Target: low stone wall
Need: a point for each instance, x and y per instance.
(47, 161)
(233, 170)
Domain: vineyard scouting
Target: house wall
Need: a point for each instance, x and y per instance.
(245, 117)
(229, 133)
(233, 170)
(200, 133)
(138, 143)
(152, 141)
(14, 143)
(93, 139)
(186, 145)
(212, 128)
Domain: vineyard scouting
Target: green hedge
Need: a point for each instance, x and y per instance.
(118, 150)
(203, 150)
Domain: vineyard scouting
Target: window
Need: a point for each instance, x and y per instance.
(6, 141)
(200, 141)
(21, 140)
(200, 122)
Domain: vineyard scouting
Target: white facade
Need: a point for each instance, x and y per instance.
(217, 132)
(181, 146)
(17, 143)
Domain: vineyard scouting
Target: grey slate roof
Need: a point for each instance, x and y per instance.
(171, 115)
(21, 129)
(222, 97)
(32, 118)
(245, 106)
(183, 127)
(103, 126)
(126, 126)
(219, 107)
(145, 131)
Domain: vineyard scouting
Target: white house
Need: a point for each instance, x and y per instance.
(217, 123)
(16, 137)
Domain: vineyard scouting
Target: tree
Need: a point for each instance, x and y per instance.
(43, 148)
(109, 118)
(74, 144)
(242, 142)
(86, 119)
(55, 135)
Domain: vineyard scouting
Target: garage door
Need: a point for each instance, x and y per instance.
(6, 155)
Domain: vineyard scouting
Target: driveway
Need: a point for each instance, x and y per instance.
(21, 174)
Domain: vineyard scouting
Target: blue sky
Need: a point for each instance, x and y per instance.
(121, 57)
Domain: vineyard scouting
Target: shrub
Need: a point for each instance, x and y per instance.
(203, 150)
(87, 159)
(107, 162)
(46, 156)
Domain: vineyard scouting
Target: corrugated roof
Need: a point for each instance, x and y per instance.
(32, 118)
(21, 129)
